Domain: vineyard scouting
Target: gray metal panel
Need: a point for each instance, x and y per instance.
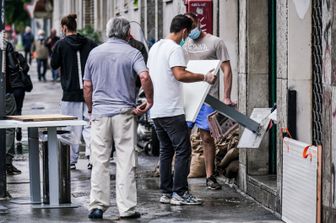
(53, 167)
(299, 183)
(232, 113)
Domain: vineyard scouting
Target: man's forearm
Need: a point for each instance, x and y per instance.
(189, 77)
(88, 97)
(181, 74)
(147, 86)
(226, 68)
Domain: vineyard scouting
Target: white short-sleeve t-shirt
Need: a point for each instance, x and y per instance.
(168, 93)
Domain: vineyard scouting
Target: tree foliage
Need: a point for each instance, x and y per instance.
(15, 14)
(89, 32)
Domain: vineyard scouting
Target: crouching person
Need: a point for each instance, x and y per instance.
(109, 92)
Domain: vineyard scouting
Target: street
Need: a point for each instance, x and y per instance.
(226, 205)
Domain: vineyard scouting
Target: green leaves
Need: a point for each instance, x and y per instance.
(89, 32)
(16, 14)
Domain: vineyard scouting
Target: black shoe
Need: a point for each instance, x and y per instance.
(212, 183)
(12, 170)
(132, 216)
(18, 134)
(96, 214)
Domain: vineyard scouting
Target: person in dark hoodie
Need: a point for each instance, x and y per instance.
(70, 55)
(14, 63)
(12, 82)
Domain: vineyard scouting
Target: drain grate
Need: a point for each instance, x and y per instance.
(80, 194)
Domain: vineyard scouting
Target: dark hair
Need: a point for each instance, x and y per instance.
(192, 15)
(70, 22)
(180, 22)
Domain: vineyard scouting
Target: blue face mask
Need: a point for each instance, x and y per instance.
(195, 33)
(182, 42)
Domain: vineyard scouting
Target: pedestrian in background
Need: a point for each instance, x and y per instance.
(204, 46)
(51, 41)
(15, 63)
(10, 107)
(70, 55)
(27, 41)
(41, 50)
(167, 68)
(110, 93)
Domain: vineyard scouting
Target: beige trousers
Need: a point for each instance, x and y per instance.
(122, 129)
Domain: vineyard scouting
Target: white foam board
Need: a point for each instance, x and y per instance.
(299, 183)
(195, 93)
(250, 140)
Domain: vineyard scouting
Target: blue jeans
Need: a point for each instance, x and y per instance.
(42, 68)
(173, 135)
(54, 74)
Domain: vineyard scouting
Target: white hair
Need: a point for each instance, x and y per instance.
(41, 32)
(118, 27)
(28, 29)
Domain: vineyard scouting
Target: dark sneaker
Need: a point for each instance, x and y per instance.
(96, 214)
(186, 199)
(89, 166)
(165, 198)
(212, 183)
(19, 148)
(72, 166)
(194, 197)
(18, 134)
(12, 170)
(131, 216)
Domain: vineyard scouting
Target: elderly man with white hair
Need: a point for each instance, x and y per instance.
(27, 42)
(110, 92)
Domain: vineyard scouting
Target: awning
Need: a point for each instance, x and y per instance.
(43, 9)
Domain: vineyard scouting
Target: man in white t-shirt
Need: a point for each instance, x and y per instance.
(167, 68)
(204, 46)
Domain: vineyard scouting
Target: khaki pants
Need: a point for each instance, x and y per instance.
(122, 129)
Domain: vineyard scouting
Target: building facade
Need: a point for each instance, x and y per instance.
(281, 53)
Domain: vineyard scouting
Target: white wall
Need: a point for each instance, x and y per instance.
(65, 7)
(300, 69)
(228, 31)
(103, 11)
(170, 10)
(131, 14)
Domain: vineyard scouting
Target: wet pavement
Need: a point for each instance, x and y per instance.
(225, 205)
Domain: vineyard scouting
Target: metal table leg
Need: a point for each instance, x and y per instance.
(34, 170)
(34, 166)
(53, 166)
